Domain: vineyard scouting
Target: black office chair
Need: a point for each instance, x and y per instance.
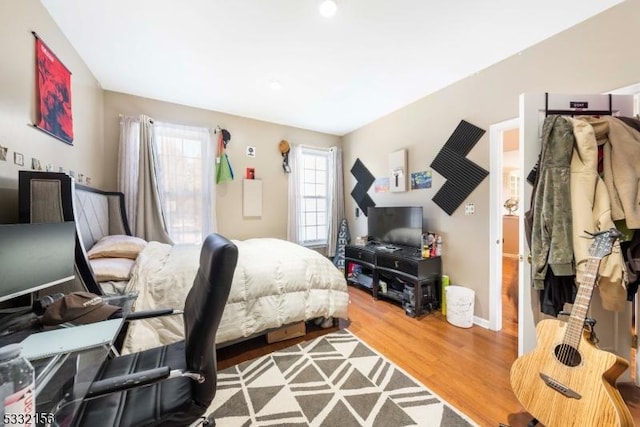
(116, 398)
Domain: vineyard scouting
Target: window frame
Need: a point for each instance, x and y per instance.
(165, 132)
(320, 227)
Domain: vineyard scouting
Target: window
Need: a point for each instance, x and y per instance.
(314, 187)
(514, 185)
(185, 163)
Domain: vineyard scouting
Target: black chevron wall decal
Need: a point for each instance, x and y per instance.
(364, 181)
(463, 176)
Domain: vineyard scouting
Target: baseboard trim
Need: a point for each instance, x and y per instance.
(484, 323)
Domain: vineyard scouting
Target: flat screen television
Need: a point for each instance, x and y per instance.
(395, 225)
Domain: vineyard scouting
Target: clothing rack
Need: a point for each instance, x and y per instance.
(531, 177)
(581, 112)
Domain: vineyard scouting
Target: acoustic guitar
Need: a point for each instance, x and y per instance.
(567, 380)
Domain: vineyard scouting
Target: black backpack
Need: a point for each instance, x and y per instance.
(631, 254)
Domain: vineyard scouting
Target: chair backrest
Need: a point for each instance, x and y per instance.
(203, 310)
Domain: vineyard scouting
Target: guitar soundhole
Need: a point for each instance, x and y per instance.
(568, 355)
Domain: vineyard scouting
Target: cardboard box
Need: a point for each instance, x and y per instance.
(287, 332)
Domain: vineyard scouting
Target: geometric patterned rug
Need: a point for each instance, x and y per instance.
(333, 380)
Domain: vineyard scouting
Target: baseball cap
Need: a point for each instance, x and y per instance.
(78, 307)
(226, 136)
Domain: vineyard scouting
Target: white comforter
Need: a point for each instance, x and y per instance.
(275, 283)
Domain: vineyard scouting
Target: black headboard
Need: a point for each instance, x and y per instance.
(55, 197)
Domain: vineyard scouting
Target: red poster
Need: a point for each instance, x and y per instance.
(54, 94)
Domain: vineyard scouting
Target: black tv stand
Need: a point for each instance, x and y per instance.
(400, 275)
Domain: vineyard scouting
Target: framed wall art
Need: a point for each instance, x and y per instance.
(53, 94)
(18, 159)
(398, 170)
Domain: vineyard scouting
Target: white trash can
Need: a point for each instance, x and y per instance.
(460, 306)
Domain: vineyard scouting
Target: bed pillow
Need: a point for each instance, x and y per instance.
(116, 269)
(117, 246)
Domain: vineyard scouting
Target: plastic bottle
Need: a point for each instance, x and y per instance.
(439, 245)
(17, 387)
(425, 246)
(432, 245)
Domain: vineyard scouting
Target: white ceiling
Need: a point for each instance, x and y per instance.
(336, 74)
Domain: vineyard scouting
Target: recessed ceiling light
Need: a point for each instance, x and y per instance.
(328, 8)
(275, 85)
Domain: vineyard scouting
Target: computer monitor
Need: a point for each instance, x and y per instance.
(35, 256)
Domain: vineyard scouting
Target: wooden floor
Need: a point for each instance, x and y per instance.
(467, 367)
(510, 294)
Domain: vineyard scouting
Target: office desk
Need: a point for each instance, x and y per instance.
(62, 382)
(63, 379)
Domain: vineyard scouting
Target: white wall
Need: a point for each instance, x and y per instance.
(245, 132)
(597, 56)
(18, 103)
(95, 119)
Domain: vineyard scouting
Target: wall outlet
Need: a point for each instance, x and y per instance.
(469, 209)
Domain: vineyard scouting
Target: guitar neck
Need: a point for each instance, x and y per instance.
(575, 325)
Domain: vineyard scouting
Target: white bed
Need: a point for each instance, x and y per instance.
(276, 282)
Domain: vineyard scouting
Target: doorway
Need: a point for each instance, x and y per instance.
(505, 214)
(511, 176)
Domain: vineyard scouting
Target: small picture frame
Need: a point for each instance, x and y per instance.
(18, 159)
(3, 153)
(35, 164)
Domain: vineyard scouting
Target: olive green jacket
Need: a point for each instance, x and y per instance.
(552, 231)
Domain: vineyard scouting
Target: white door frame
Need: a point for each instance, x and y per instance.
(496, 133)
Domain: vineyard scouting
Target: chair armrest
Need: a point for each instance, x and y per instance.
(120, 299)
(146, 314)
(126, 382)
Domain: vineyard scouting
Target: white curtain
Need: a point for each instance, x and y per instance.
(128, 166)
(294, 196)
(336, 199)
(141, 183)
(186, 163)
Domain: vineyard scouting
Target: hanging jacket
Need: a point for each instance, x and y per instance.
(224, 172)
(622, 170)
(551, 233)
(591, 212)
(558, 291)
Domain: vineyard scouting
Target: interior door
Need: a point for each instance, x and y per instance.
(614, 330)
